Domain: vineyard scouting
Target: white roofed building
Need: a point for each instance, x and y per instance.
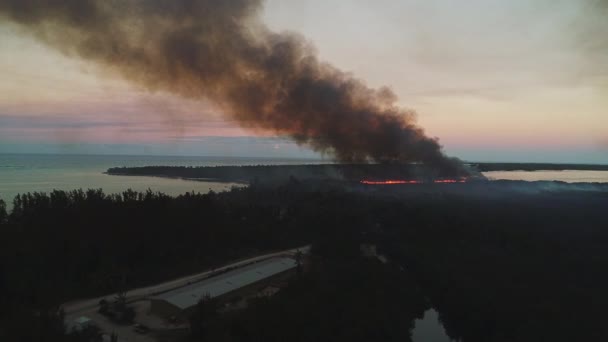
(180, 302)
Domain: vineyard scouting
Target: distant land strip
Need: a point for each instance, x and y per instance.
(350, 172)
(485, 167)
(246, 174)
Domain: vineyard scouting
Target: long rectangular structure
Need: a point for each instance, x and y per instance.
(178, 301)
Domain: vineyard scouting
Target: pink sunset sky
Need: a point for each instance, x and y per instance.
(494, 80)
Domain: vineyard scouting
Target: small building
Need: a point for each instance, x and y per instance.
(252, 278)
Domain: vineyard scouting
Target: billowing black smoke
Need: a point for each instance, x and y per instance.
(221, 51)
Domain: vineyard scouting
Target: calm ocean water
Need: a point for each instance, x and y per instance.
(568, 176)
(44, 173)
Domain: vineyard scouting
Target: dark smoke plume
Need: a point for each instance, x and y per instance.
(221, 51)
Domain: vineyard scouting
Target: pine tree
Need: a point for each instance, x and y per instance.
(3, 214)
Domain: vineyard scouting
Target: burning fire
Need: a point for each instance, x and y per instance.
(394, 181)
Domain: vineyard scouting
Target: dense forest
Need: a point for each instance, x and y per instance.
(68, 245)
(505, 265)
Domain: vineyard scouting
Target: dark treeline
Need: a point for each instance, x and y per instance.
(281, 173)
(3, 214)
(515, 267)
(483, 167)
(133, 238)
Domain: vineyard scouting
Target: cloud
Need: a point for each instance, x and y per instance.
(240, 140)
(56, 122)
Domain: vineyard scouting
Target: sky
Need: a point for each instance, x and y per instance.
(494, 80)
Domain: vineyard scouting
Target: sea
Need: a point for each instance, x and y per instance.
(22, 173)
(568, 176)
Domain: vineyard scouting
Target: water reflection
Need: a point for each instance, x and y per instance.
(429, 329)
